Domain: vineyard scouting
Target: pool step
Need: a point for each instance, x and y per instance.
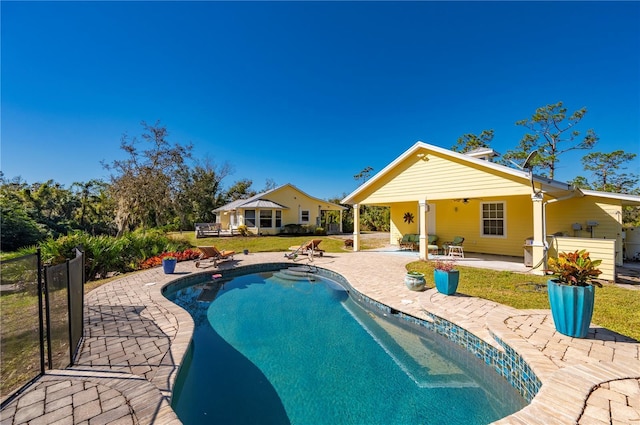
(296, 274)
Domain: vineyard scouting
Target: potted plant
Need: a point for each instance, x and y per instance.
(446, 277)
(571, 292)
(169, 264)
(415, 281)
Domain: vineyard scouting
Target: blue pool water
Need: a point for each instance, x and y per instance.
(267, 350)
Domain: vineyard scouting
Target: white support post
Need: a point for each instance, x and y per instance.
(356, 227)
(423, 229)
(538, 245)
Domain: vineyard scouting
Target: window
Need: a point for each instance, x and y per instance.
(304, 216)
(278, 219)
(493, 219)
(250, 218)
(265, 218)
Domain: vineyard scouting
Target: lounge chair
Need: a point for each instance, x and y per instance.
(308, 248)
(214, 254)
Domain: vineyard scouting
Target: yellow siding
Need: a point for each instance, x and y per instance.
(398, 227)
(296, 202)
(455, 218)
(561, 215)
(599, 249)
(440, 178)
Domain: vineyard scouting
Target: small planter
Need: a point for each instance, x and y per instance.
(446, 281)
(415, 281)
(169, 265)
(571, 308)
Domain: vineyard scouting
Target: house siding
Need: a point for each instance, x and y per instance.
(287, 196)
(561, 215)
(599, 249)
(440, 178)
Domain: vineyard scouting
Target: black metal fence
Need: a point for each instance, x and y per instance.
(29, 344)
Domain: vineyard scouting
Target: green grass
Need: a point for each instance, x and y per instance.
(616, 308)
(272, 243)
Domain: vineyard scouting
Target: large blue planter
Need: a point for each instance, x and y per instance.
(571, 308)
(169, 265)
(446, 282)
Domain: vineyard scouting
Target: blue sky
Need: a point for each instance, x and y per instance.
(308, 93)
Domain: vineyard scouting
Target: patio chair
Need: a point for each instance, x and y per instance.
(454, 248)
(409, 241)
(213, 254)
(308, 248)
(432, 248)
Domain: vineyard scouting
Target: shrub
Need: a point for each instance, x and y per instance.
(319, 231)
(575, 268)
(445, 266)
(187, 254)
(244, 230)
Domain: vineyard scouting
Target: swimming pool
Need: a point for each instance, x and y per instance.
(273, 348)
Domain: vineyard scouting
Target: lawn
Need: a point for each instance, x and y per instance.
(274, 243)
(616, 308)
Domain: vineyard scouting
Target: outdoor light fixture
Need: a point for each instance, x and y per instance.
(423, 156)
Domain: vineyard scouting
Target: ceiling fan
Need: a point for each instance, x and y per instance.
(466, 200)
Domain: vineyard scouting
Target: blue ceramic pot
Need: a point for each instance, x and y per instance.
(415, 281)
(571, 308)
(446, 282)
(169, 265)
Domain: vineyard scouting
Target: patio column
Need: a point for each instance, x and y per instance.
(356, 227)
(538, 245)
(423, 229)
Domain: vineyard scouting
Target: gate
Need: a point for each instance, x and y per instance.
(30, 294)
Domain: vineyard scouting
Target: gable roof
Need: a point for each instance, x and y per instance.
(260, 201)
(552, 187)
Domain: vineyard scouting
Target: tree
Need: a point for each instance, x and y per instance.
(95, 212)
(240, 190)
(200, 192)
(363, 175)
(470, 141)
(17, 229)
(606, 170)
(144, 185)
(550, 130)
(269, 184)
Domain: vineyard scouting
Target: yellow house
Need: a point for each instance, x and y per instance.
(496, 209)
(269, 212)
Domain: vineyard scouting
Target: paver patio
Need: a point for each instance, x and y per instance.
(135, 340)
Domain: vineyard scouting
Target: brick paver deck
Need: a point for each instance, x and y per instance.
(135, 340)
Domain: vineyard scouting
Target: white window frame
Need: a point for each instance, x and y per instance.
(302, 214)
(504, 219)
(278, 219)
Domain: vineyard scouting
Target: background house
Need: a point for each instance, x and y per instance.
(269, 212)
(497, 209)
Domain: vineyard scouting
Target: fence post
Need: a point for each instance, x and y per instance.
(69, 315)
(48, 316)
(40, 306)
